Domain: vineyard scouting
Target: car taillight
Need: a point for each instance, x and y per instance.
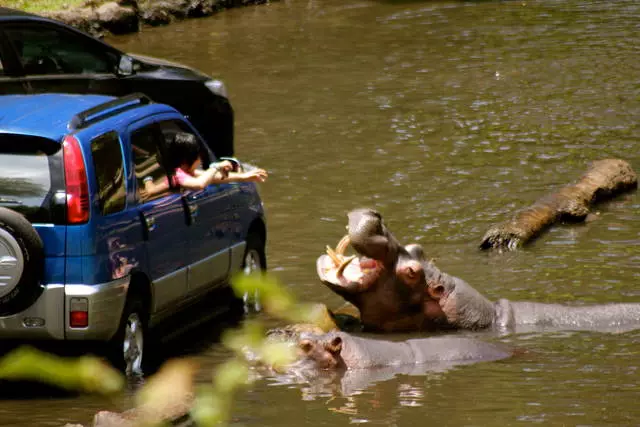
(75, 175)
(79, 313)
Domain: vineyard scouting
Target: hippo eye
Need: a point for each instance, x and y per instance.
(306, 346)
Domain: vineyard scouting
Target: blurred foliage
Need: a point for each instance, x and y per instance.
(170, 393)
(279, 302)
(213, 402)
(86, 373)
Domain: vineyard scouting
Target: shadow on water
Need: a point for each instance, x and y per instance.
(200, 326)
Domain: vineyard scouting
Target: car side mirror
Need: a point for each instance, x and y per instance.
(125, 66)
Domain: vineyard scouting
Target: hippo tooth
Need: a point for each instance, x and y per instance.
(344, 265)
(334, 257)
(343, 244)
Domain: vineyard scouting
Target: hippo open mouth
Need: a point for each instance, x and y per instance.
(355, 272)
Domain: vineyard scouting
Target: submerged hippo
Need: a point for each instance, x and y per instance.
(342, 351)
(396, 288)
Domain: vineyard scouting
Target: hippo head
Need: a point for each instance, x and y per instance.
(322, 352)
(374, 246)
(384, 279)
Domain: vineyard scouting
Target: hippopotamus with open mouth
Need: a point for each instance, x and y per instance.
(396, 288)
(385, 280)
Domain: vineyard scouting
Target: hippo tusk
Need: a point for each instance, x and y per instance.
(337, 255)
(334, 256)
(339, 260)
(343, 244)
(344, 264)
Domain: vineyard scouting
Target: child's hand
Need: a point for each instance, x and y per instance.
(256, 175)
(224, 167)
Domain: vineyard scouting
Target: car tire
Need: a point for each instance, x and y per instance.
(21, 263)
(127, 347)
(254, 260)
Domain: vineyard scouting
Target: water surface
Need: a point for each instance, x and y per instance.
(447, 117)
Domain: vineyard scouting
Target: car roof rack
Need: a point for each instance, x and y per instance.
(108, 109)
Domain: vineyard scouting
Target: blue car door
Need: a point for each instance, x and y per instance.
(208, 237)
(163, 215)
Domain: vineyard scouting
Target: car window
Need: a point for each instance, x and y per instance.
(109, 169)
(1, 65)
(148, 164)
(169, 128)
(28, 168)
(45, 50)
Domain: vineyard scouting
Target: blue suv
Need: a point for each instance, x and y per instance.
(84, 253)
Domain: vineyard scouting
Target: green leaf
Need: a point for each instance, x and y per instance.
(231, 375)
(86, 373)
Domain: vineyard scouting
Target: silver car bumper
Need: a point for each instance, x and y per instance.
(48, 317)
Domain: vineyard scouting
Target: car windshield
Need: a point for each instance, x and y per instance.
(44, 50)
(27, 167)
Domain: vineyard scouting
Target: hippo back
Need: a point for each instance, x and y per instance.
(436, 349)
(358, 352)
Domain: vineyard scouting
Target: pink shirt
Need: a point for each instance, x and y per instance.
(179, 177)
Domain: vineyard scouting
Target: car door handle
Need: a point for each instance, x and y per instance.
(150, 221)
(193, 210)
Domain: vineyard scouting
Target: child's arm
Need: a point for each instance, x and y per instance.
(152, 189)
(255, 175)
(225, 167)
(202, 179)
(221, 175)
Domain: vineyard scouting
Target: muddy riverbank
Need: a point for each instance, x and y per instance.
(99, 17)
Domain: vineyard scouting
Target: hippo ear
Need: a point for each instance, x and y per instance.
(335, 346)
(306, 346)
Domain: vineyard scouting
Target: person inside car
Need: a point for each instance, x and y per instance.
(184, 152)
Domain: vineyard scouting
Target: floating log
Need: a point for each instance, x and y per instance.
(604, 179)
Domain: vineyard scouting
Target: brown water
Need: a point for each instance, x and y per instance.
(446, 117)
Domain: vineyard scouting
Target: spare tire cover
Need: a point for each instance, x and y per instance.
(21, 263)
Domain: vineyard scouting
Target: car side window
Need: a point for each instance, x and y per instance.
(148, 165)
(1, 65)
(46, 50)
(109, 169)
(169, 128)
